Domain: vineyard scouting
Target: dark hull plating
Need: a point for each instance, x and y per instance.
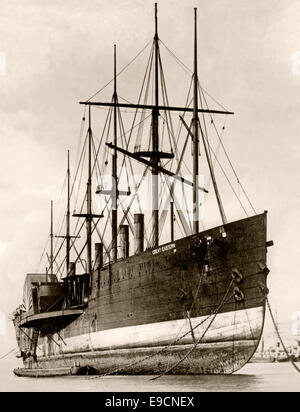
(146, 312)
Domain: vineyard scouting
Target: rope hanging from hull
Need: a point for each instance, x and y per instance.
(279, 337)
(214, 314)
(8, 353)
(201, 337)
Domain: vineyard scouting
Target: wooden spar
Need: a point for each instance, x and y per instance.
(89, 199)
(86, 216)
(150, 164)
(195, 136)
(155, 145)
(151, 107)
(68, 217)
(51, 241)
(114, 212)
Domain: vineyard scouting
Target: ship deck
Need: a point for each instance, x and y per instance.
(39, 319)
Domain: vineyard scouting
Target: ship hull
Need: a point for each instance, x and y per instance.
(229, 342)
(194, 306)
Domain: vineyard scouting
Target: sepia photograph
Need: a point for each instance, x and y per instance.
(150, 199)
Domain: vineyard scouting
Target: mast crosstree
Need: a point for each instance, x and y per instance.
(155, 154)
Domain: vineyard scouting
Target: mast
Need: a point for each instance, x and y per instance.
(195, 135)
(114, 216)
(155, 142)
(67, 235)
(68, 217)
(89, 199)
(172, 220)
(154, 154)
(150, 164)
(88, 215)
(51, 241)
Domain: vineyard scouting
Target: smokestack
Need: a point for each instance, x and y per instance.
(35, 300)
(138, 233)
(98, 255)
(72, 269)
(124, 241)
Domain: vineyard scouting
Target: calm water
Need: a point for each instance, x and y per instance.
(253, 377)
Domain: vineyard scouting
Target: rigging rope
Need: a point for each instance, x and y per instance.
(201, 337)
(120, 72)
(227, 178)
(279, 336)
(178, 154)
(180, 337)
(43, 253)
(84, 150)
(212, 172)
(73, 240)
(80, 134)
(170, 344)
(226, 154)
(188, 71)
(142, 118)
(8, 353)
(133, 126)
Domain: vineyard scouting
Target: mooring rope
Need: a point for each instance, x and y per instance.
(171, 343)
(123, 368)
(8, 353)
(214, 314)
(279, 337)
(201, 337)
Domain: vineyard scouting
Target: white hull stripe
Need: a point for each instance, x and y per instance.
(243, 324)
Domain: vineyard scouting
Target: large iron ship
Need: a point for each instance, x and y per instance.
(194, 304)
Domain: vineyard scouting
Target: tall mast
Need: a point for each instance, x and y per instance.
(155, 142)
(114, 215)
(89, 199)
(155, 155)
(68, 217)
(195, 136)
(51, 241)
(67, 236)
(88, 215)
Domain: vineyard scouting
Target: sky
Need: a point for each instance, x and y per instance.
(54, 54)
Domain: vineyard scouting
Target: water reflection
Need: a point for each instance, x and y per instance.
(252, 378)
